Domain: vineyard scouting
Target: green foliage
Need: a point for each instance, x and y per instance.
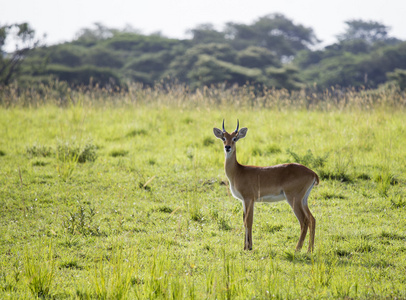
(68, 151)
(272, 228)
(286, 77)
(384, 180)
(368, 31)
(346, 65)
(81, 221)
(88, 153)
(209, 71)
(257, 57)
(123, 227)
(112, 277)
(22, 37)
(398, 77)
(397, 201)
(309, 159)
(67, 161)
(274, 32)
(39, 271)
(164, 209)
(103, 58)
(206, 33)
(118, 152)
(136, 132)
(68, 55)
(322, 272)
(68, 155)
(39, 151)
(273, 149)
(84, 75)
(259, 53)
(183, 66)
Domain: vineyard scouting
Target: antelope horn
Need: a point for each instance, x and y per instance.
(224, 130)
(238, 125)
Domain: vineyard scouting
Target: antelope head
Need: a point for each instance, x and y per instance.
(229, 139)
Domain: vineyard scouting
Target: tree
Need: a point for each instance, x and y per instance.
(91, 36)
(369, 31)
(257, 57)
(274, 32)
(335, 66)
(85, 75)
(184, 65)
(206, 33)
(148, 67)
(25, 41)
(102, 57)
(208, 64)
(285, 77)
(398, 77)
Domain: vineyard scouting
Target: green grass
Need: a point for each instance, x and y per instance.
(147, 212)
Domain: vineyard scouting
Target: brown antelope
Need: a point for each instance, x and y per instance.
(250, 184)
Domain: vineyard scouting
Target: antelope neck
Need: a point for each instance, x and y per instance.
(231, 165)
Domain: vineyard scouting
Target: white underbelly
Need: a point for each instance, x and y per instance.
(267, 198)
(271, 198)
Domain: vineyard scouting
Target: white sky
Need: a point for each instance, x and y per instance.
(61, 20)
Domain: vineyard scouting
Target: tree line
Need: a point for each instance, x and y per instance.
(271, 52)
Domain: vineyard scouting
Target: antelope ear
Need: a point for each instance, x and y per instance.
(218, 133)
(242, 133)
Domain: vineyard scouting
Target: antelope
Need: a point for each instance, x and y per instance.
(292, 182)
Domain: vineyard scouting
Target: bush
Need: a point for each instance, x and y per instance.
(81, 222)
(118, 152)
(39, 151)
(81, 155)
(308, 160)
(88, 153)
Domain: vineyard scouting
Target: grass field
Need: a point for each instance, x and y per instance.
(131, 201)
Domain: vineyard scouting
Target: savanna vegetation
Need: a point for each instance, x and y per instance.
(273, 52)
(112, 183)
(115, 194)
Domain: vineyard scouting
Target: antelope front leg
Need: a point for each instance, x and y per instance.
(248, 221)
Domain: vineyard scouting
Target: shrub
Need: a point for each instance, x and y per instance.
(272, 228)
(208, 141)
(136, 132)
(88, 153)
(118, 152)
(309, 159)
(163, 209)
(273, 149)
(39, 151)
(384, 180)
(69, 155)
(81, 221)
(397, 201)
(39, 163)
(76, 153)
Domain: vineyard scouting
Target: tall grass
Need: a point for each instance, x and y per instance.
(178, 95)
(112, 277)
(39, 271)
(148, 214)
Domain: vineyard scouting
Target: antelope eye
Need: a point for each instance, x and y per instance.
(224, 139)
(234, 139)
